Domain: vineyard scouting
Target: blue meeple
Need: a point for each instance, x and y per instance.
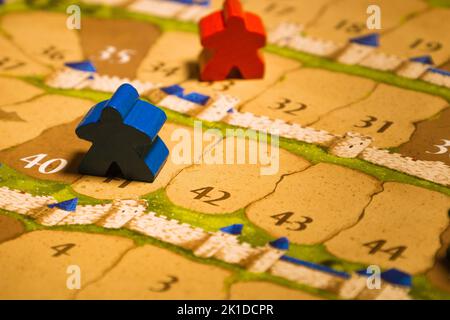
(124, 135)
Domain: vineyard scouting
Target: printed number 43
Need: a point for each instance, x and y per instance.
(47, 167)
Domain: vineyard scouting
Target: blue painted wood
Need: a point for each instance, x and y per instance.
(124, 135)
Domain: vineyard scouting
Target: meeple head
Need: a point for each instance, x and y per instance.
(233, 14)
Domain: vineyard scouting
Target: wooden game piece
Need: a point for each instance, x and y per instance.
(231, 39)
(124, 131)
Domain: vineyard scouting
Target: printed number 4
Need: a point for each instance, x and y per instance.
(46, 167)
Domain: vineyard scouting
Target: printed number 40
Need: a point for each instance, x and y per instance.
(45, 167)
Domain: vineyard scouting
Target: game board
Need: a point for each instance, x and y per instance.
(363, 179)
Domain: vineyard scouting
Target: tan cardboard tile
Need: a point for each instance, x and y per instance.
(35, 265)
(303, 96)
(14, 91)
(27, 30)
(14, 62)
(310, 206)
(39, 114)
(387, 115)
(425, 34)
(400, 229)
(276, 68)
(150, 272)
(223, 188)
(108, 44)
(430, 140)
(10, 228)
(165, 64)
(347, 19)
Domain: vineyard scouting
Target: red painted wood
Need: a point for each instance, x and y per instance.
(231, 39)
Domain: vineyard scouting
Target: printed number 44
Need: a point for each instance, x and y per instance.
(47, 167)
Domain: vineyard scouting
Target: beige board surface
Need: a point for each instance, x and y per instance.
(276, 68)
(15, 63)
(116, 188)
(117, 47)
(311, 206)
(224, 188)
(57, 151)
(305, 95)
(431, 139)
(439, 274)
(44, 36)
(346, 19)
(150, 272)
(387, 115)
(10, 228)
(400, 229)
(274, 12)
(14, 91)
(37, 115)
(259, 290)
(35, 265)
(425, 34)
(166, 64)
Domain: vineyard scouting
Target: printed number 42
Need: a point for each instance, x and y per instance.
(45, 167)
(204, 193)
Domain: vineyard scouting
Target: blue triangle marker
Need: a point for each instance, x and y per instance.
(85, 65)
(68, 205)
(280, 243)
(422, 59)
(363, 272)
(175, 90)
(197, 98)
(371, 40)
(440, 71)
(204, 3)
(234, 229)
(397, 277)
